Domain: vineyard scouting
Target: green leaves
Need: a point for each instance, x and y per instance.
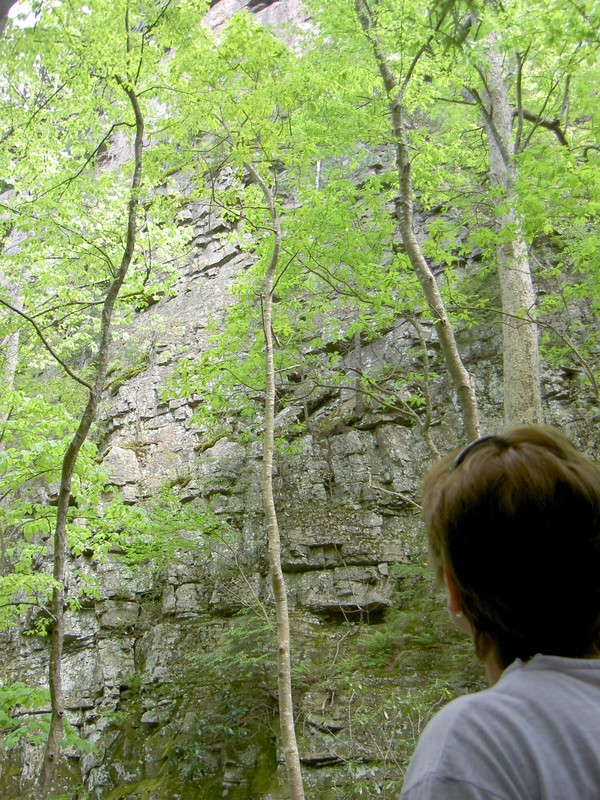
(25, 700)
(157, 532)
(70, 171)
(25, 717)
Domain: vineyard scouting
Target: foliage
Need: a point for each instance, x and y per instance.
(244, 650)
(395, 677)
(66, 180)
(24, 718)
(344, 274)
(312, 121)
(341, 277)
(32, 728)
(235, 680)
(33, 442)
(67, 192)
(156, 533)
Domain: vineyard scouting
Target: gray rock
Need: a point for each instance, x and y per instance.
(119, 614)
(122, 465)
(116, 661)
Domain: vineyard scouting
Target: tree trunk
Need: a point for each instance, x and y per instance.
(5, 7)
(284, 670)
(55, 736)
(461, 379)
(522, 394)
(464, 384)
(11, 341)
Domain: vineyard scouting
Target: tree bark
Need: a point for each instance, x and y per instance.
(11, 341)
(5, 7)
(284, 671)
(463, 382)
(57, 724)
(522, 393)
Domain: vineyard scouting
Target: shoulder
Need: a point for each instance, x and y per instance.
(474, 746)
(539, 725)
(462, 722)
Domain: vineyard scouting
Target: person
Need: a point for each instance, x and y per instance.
(514, 530)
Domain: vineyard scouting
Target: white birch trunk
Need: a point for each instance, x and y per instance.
(284, 664)
(522, 394)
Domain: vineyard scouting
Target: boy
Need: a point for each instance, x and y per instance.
(514, 532)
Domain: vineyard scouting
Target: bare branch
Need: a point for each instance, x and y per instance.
(68, 181)
(538, 119)
(562, 336)
(489, 120)
(553, 125)
(425, 46)
(519, 111)
(47, 344)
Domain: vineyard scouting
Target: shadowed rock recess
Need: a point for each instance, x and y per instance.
(170, 672)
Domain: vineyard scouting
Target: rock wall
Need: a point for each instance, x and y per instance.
(139, 680)
(169, 673)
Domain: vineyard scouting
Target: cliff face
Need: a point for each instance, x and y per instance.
(170, 673)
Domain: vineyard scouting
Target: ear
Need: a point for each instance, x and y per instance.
(452, 594)
(455, 605)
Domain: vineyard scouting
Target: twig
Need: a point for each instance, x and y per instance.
(47, 345)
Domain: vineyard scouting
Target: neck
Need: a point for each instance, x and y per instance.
(493, 668)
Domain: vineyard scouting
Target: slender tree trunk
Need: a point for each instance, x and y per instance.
(56, 733)
(5, 7)
(461, 379)
(522, 393)
(464, 384)
(11, 342)
(284, 671)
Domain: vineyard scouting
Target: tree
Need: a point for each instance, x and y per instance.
(518, 78)
(522, 391)
(447, 48)
(4, 11)
(243, 147)
(389, 82)
(396, 87)
(277, 140)
(284, 672)
(55, 736)
(79, 225)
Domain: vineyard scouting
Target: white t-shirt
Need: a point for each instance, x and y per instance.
(534, 735)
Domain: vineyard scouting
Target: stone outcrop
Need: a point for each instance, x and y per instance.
(167, 671)
(346, 498)
(136, 677)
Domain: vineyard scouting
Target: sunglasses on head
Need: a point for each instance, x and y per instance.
(466, 450)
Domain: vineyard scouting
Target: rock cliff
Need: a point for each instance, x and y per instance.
(169, 673)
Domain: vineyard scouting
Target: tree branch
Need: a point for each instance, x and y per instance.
(553, 125)
(424, 47)
(47, 344)
(489, 120)
(519, 110)
(562, 336)
(538, 119)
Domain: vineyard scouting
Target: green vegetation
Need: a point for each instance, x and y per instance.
(398, 164)
(366, 691)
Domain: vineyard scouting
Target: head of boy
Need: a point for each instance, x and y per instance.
(514, 529)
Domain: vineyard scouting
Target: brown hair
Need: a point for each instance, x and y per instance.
(515, 521)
